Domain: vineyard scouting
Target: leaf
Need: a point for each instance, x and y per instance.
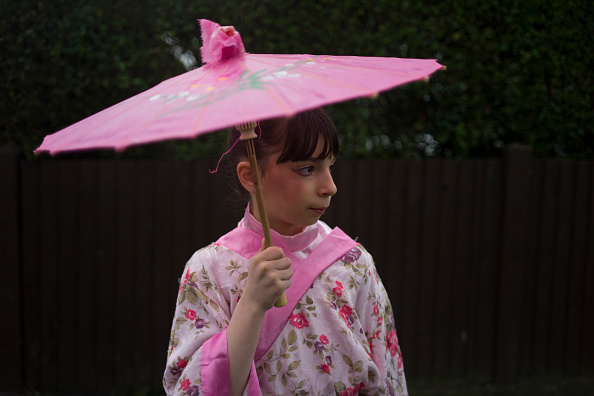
(180, 321)
(284, 380)
(191, 294)
(291, 374)
(266, 367)
(347, 360)
(293, 348)
(214, 305)
(339, 387)
(193, 277)
(308, 300)
(292, 337)
(202, 296)
(279, 366)
(294, 364)
(359, 366)
(284, 343)
(242, 276)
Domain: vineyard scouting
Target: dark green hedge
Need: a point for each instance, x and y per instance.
(517, 71)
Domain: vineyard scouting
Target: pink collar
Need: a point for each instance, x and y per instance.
(293, 243)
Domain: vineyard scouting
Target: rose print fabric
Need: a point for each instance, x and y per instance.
(340, 337)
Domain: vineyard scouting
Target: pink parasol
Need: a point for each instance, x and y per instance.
(235, 88)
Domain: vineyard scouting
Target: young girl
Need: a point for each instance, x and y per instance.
(336, 335)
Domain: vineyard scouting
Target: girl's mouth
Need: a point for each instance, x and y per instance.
(319, 211)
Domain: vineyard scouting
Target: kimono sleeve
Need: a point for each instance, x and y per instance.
(197, 355)
(377, 318)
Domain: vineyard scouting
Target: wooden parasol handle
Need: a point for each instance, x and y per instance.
(249, 141)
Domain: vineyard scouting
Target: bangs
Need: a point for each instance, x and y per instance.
(304, 131)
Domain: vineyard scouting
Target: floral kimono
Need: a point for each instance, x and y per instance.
(336, 335)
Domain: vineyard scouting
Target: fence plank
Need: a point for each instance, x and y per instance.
(377, 203)
(412, 278)
(462, 268)
(564, 234)
(106, 276)
(428, 268)
(445, 262)
(48, 272)
(577, 268)
(143, 271)
(11, 340)
(545, 264)
(587, 342)
(67, 185)
(125, 270)
(487, 258)
(394, 265)
(86, 278)
(513, 259)
(168, 266)
(344, 180)
(31, 227)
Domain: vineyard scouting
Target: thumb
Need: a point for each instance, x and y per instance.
(263, 247)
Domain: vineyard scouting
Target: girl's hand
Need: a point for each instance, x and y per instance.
(269, 275)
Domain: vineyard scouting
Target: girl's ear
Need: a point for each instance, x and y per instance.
(244, 173)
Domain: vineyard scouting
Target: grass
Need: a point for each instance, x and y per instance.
(545, 386)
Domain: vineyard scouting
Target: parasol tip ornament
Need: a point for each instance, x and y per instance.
(219, 42)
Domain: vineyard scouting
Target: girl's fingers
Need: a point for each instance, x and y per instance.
(285, 275)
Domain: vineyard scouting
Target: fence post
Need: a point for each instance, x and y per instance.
(10, 272)
(516, 178)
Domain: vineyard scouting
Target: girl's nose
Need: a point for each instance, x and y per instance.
(327, 186)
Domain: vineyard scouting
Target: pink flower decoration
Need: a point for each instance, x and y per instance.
(325, 368)
(379, 320)
(191, 314)
(352, 391)
(345, 312)
(181, 363)
(298, 320)
(337, 291)
(392, 340)
(185, 384)
(375, 309)
(324, 339)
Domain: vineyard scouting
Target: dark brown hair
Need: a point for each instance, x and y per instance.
(295, 137)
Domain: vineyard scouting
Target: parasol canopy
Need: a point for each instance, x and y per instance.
(235, 87)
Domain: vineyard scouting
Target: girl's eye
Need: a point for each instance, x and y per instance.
(305, 171)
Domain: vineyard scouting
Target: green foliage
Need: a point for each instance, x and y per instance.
(517, 71)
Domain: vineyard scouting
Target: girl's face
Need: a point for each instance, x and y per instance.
(296, 194)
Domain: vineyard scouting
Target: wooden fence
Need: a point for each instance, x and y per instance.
(489, 263)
